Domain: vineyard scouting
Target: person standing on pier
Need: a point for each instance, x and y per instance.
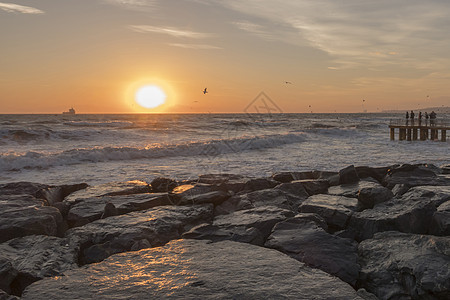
(412, 115)
(432, 117)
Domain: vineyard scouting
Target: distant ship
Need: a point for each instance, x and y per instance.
(70, 112)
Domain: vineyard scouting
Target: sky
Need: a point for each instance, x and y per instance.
(304, 55)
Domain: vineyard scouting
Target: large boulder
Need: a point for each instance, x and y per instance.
(189, 269)
(336, 210)
(90, 209)
(440, 223)
(371, 196)
(56, 194)
(369, 172)
(315, 186)
(415, 175)
(102, 238)
(352, 189)
(307, 242)
(111, 189)
(21, 188)
(282, 196)
(348, 175)
(22, 215)
(396, 265)
(407, 214)
(199, 193)
(32, 258)
(250, 226)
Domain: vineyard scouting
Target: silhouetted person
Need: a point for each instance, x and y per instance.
(407, 115)
(411, 115)
(432, 117)
(426, 115)
(420, 115)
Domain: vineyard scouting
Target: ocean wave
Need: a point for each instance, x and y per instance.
(212, 148)
(119, 124)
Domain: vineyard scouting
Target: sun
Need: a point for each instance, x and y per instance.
(150, 96)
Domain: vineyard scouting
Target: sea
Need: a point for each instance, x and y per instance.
(103, 148)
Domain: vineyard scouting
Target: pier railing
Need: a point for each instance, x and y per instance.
(423, 129)
(417, 122)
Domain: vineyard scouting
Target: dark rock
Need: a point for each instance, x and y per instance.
(227, 182)
(259, 184)
(271, 197)
(295, 188)
(366, 295)
(336, 210)
(56, 194)
(445, 169)
(110, 210)
(369, 197)
(198, 194)
(283, 177)
(6, 296)
(141, 244)
(305, 241)
(411, 214)
(21, 188)
(63, 208)
(33, 258)
(440, 223)
(414, 175)
(189, 269)
(110, 189)
(22, 215)
(7, 274)
(215, 233)
(369, 172)
(348, 175)
(436, 194)
(163, 185)
(102, 238)
(396, 265)
(399, 189)
(352, 189)
(91, 209)
(262, 218)
(214, 197)
(315, 186)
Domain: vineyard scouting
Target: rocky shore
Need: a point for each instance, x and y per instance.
(360, 233)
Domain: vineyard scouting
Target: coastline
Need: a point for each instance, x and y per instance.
(224, 236)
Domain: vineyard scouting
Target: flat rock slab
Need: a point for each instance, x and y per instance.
(188, 269)
(440, 224)
(22, 215)
(352, 189)
(90, 209)
(412, 213)
(35, 257)
(307, 242)
(111, 189)
(21, 188)
(154, 227)
(336, 210)
(396, 265)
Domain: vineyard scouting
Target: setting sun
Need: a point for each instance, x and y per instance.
(150, 96)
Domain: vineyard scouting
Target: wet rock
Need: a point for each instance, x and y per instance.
(315, 186)
(229, 182)
(271, 197)
(259, 184)
(111, 189)
(352, 189)
(369, 197)
(102, 238)
(33, 258)
(436, 194)
(399, 189)
(295, 188)
(163, 185)
(189, 269)
(396, 265)
(348, 175)
(22, 215)
(21, 188)
(90, 209)
(445, 169)
(440, 222)
(369, 172)
(414, 175)
(141, 244)
(7, 274)
(6, 296)
(247, 226)
(336, 210)
(406, 214)
(56, 194)
(199, 193)
(110, 210)
(307, 242)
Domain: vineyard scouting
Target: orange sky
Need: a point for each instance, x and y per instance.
(94, 54)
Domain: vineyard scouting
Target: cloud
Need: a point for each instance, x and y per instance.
(255, 29)
(15, 8)
(133, 4)
(179, 33)
(196, 46)
(352, 31)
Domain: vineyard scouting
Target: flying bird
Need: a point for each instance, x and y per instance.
(288, 82)
(205, 91)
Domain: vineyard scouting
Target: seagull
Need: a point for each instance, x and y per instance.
(288, 82)
(205, 91)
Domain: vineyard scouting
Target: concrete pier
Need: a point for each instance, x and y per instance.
(412, 130)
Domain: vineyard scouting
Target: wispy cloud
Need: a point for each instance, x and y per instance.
(196, 46)
(179, 33)
(351, 32)
(15, 8)
(255, 29)
(133, 4)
